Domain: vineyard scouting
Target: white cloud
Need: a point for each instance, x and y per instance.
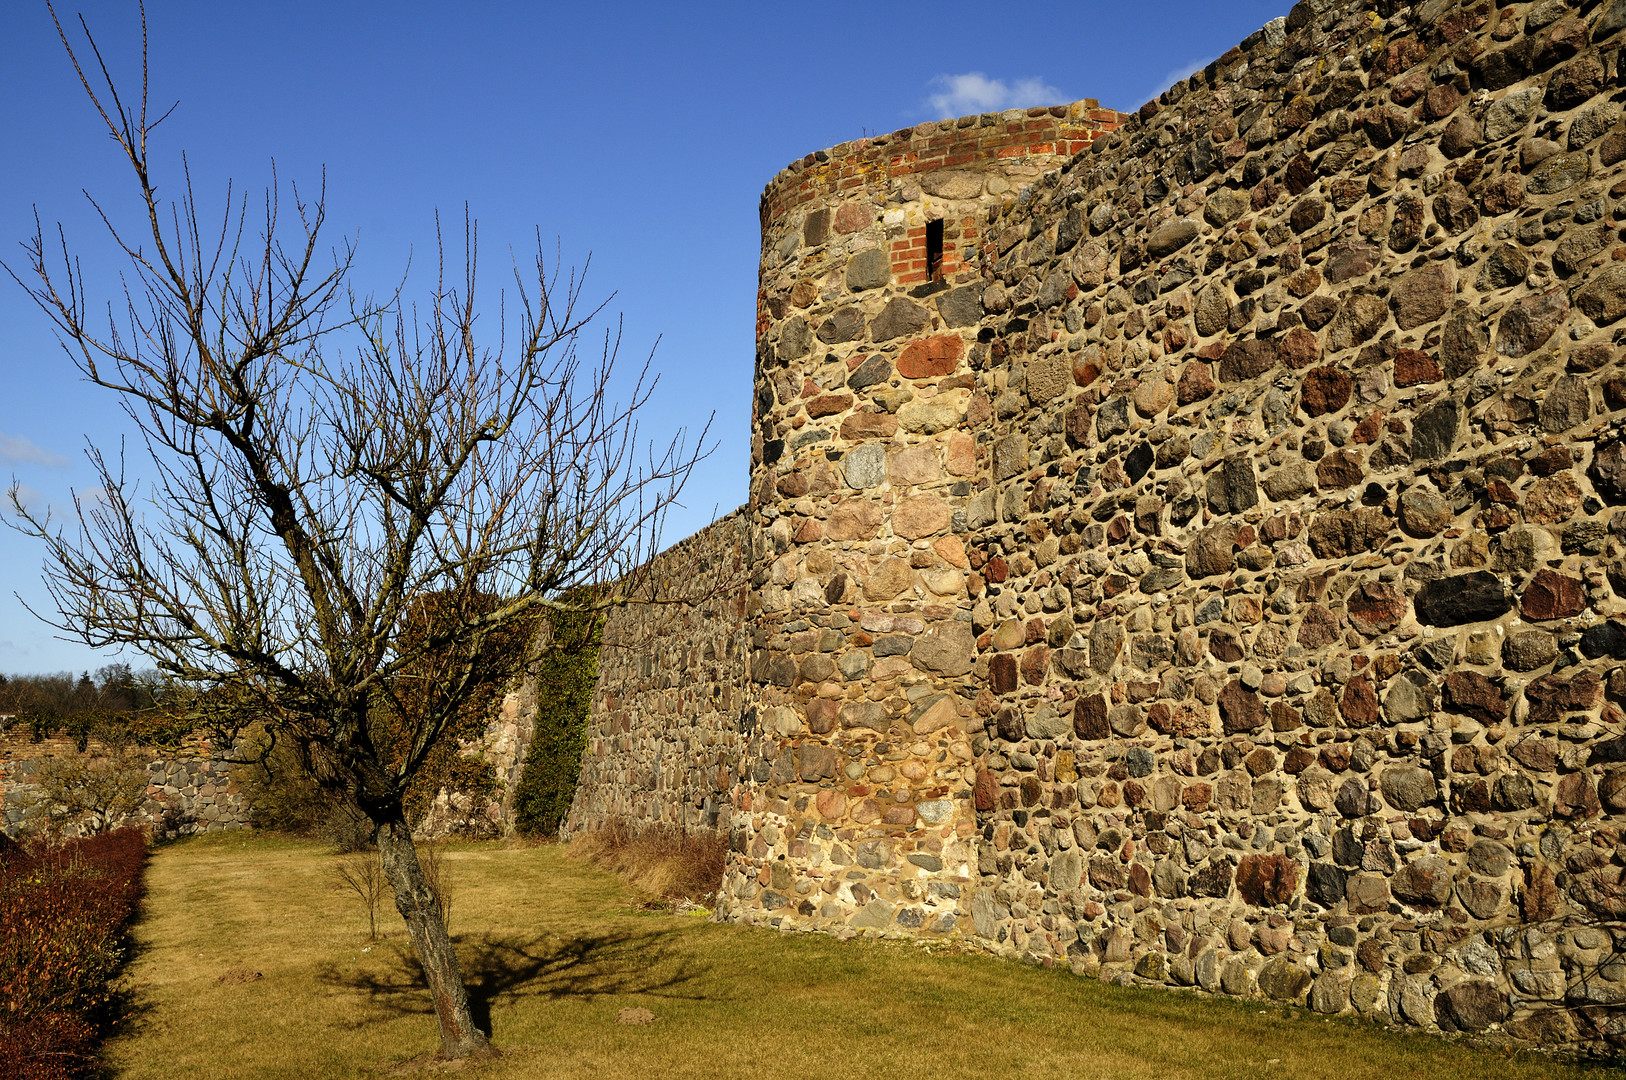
(91, 498)
(20, 450)
(1184, 71)
(974, 92)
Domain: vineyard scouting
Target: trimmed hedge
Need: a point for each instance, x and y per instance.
(64, 910)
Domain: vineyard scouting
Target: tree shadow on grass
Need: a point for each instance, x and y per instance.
(544, 965)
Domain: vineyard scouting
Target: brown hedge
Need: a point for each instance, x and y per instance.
(64, 910)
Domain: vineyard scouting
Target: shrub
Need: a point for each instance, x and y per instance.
(283, 797)
(92, 790)
(662, 861)
(63, 914)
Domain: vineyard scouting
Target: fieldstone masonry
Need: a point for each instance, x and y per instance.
(1191, 545)
(673, 731)
(188, 792)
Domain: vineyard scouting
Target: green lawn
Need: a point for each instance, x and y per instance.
(554, 950)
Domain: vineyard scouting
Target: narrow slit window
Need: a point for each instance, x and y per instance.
(934, 249)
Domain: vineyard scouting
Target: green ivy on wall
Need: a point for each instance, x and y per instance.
(565, 677)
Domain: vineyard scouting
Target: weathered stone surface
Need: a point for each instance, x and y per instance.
(1358, 703)
(1529, 323)
(872, 372)
(1407, 787)
(1552, 500)
(1558, 173)
(1240, 708)
(1473, 694)
(1224, 206)
(930, 415)
(1106, 641)
(1049, 378)
(1340, 533)
(1473, 1005)
(1289, 482)
(1435, 431)
(930, 357)
(1213, 311)
(1404, 701)
(1341, 469)
(1349, 260)
(854, 519)
(1284, 980)
(1267, 880)
(1425, 883)
(1463, 598)
(1424, 514)
(1552, 596)
(1567, 404)
(1112, 418)
(1196, 383)
(961, 307)
(1153, 396)
(1247, 359)
(952, 183)
(1608, 472)
(1413, 367)
(869, 269)
(920, 515)
(945, 649)
(1360, 317)
(914, 465)
(1423, 296)
(1232, 487)
(888, 579)
(845, 325)
(1212, 552)
(1528, 650)
(899, 318)
(869, 425)
(1325, 390)
(1602, 298)
(1171, 236)
(1511, 112)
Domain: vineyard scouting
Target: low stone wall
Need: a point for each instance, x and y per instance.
(186, 793)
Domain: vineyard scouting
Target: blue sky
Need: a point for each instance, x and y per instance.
(641, 134)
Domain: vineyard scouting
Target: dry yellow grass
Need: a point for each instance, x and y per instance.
(556, 949)
(660, 861)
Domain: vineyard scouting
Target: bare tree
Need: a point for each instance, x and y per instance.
(318, 465)
(95, 790)
(362, 875)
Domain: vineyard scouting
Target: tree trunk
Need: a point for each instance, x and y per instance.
(459, 1037)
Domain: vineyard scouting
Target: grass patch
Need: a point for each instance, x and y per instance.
(555, 949)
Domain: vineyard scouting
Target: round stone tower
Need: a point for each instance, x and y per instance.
(866, 458)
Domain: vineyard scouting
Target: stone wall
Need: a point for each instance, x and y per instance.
(673, 735)
(1187, 545)
(1297, 544)
(864, 459)
(187, 792)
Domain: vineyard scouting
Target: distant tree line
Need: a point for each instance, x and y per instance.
(116, 705)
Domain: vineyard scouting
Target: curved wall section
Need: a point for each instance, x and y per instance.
(865, 458)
